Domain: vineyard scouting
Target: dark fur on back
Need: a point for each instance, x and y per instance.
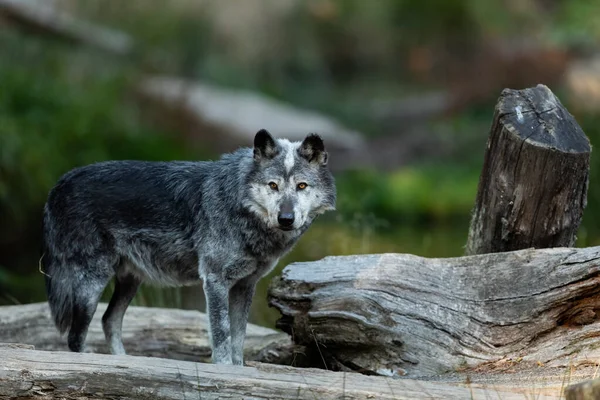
(172, 223)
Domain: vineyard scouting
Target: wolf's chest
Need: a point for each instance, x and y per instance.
(246, 267)
(267, 248)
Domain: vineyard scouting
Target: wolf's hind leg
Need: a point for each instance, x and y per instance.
(240, 299)
(126, 286)
(86, 296)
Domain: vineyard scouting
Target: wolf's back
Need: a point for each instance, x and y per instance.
(91, 205)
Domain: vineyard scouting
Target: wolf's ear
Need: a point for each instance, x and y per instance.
(313, 149)
(264, 145)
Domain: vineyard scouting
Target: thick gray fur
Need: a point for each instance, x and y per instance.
(226, 222)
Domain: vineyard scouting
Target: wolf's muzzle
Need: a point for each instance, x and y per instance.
(286, 220)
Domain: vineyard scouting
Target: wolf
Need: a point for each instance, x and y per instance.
(225, 223)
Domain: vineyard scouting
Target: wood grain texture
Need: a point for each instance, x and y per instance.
(155, 332)
(31, 374)
(399, 314)
(533, 185)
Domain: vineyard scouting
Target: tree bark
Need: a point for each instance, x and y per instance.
(398, 314)
(155, 332)
(533, 186)
(31, 374)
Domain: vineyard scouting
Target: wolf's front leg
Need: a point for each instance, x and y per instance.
(217, 308)
(240, 299)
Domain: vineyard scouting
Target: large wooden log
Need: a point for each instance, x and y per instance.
(203, 112)
(398, 314)
(533, 186)
(156, 332)
(31, 374)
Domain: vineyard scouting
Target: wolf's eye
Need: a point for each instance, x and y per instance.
(273, 185)
(302, 186)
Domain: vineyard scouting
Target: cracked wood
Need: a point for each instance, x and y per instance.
(533, 185)
(31, 374)
(400, 314)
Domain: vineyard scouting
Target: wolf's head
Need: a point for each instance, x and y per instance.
(290, 183)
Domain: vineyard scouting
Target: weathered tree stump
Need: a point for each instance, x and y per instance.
(32, 374)
(155, 332)
(533, 186)
(398, 314)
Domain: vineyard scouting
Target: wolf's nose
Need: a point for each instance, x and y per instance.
(286, 219)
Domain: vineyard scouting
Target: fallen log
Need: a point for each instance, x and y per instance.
(32, 374)
(225, 119)
(534, 182)
(41, 17)
(399, 314)
(155, 332)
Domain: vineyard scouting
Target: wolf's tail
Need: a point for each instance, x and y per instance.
(59, 287)
(60, 296)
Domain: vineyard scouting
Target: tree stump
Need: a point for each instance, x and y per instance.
(533, 186)
(403, 315)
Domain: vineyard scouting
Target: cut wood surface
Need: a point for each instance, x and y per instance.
(399, 314)
(156, 332)
(32, 374)
(533, 186)
(41, 16)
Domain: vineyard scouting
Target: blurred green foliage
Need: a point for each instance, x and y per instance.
(577, 21)
(56, 114)
(411, 196)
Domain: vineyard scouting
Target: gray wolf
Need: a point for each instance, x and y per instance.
(224, 222)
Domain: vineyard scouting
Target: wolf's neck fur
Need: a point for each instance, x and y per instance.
(223, 182)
